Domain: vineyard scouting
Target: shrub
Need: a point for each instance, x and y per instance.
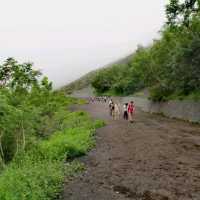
(159, 93)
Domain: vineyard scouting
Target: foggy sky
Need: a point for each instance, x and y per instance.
(68, 38)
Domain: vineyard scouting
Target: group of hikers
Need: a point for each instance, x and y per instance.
(115, 108)
(103, 99)
(128, 110)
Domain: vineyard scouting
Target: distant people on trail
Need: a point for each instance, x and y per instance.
(125, 109)
(110, 102)
(131, 110)
(116, 111)
(91, 99)
(101, 99)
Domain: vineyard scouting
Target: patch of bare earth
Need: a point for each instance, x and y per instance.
(154, 158)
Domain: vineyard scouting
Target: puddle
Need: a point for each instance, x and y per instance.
(124, 191)
(147, 195)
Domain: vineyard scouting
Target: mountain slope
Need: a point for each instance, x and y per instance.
(85, 81)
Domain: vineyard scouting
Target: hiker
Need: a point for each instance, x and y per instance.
(116, 112)
(111, 107)
(131, 110)
(92, 99)
(125, 108)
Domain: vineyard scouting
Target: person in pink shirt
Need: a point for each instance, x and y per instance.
(131, 110)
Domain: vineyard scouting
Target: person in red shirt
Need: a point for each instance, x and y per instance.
(131, 110)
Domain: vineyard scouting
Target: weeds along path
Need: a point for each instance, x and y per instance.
(154, 158)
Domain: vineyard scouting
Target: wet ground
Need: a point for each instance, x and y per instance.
(155, 158)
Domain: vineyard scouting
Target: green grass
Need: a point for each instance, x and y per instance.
(70, 143)
(33, 180)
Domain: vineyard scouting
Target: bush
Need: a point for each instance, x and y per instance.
(159, 93)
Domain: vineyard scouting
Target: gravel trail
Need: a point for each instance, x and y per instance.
(155, 158)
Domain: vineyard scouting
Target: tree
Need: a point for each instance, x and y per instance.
(181, 13)
(18, 76)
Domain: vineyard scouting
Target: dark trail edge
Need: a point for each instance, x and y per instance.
(155, 158)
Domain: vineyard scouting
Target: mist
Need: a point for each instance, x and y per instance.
(67, 38)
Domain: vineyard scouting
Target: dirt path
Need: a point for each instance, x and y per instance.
(153, 159)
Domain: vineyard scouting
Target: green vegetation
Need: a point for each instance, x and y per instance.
(169, 67)
(37, 134)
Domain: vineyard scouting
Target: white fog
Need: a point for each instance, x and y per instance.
(68, 38)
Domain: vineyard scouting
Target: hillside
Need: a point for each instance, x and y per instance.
(86, 80)
(168, 68)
